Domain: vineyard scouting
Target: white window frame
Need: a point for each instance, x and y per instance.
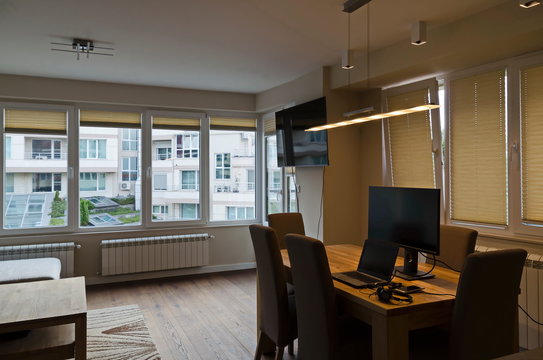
(97, 187)
(129, 170)
(191, 148)
(87, 141)
(131, 140)
(196, 184)
(222, 167)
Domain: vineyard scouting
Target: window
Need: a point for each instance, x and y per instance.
(108, 196)
(251, 179)
(130, 169)
(183, 130)
(92, 181)
(46, 182)
(92, 149)
(160, 182)
(412, 138)
(188, 145)
(33, 195)
(478, 149)
(240, 213)
(274, 177)
(160, 212)
(8, 147)
(130, 139)
(46, 149)
(189, 211)
(189, 180)
(232, 147)
(222, 166)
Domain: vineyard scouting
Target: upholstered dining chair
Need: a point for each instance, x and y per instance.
(286, 223)
(322, 334)
(277, 308)
(484, 323)
(456, 243)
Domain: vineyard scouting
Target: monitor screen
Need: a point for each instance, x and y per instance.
(295, 146)
(408, 217)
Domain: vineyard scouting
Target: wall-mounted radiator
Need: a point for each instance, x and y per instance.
(126, 256)
(62, 251)
(531, 300)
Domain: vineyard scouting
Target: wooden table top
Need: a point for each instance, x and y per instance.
(40, 300)
(345, 257)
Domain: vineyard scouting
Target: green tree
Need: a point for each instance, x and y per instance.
(84, 212)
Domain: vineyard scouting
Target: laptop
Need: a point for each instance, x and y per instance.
(375, 267)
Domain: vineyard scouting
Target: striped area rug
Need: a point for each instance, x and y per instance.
(119, 333)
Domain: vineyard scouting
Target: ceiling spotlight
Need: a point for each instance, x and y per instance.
(418, 33)
(82, 46)
(529, 3)
(346, 58)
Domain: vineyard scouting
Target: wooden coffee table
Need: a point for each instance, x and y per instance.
(55, 311)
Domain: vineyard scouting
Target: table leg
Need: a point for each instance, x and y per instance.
(390, 337)
(81, 338)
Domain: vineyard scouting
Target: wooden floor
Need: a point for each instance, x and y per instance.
(204, 317)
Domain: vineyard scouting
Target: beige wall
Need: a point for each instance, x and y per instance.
(76, 91)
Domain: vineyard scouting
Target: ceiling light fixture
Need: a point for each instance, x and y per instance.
(375, 117)
(418, 33)
(529, 3)
(380, 116)
(82, 46)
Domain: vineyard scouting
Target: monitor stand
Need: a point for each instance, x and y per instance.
(409, 270)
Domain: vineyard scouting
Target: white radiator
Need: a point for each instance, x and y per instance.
(126, 256)
(62, 251)
(531, 300)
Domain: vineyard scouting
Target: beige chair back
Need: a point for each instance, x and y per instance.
(286, 223)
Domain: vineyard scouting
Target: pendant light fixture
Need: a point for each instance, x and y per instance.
(353, 5)
(346, 58)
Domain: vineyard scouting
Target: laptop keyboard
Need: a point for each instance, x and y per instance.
(362, 277)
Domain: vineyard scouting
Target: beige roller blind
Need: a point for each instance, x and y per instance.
(160, 122)
(269, 125)
(410, 141)
(478, 161)
(28, 121)
(117, 119)
(532, 143)
(226, 123)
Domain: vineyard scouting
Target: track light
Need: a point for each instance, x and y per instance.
(418, 33)
(529, 3)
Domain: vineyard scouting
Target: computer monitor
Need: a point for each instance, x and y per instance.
(408, 217)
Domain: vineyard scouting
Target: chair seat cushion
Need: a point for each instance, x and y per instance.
(24, 270)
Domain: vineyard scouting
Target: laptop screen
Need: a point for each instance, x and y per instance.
(378, 259)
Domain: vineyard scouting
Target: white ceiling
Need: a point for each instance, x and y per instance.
(229, 45)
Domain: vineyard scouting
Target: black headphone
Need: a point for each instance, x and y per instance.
(387, 294)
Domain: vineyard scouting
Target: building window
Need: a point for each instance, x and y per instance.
(160, 182)
(239, 213)
(222, 166)
(163, 150)
(46, 182)
(91, 181)
(160, 212)
(10, 182)
(189, 211)
(92, 149)
(188, 145)
(130, 139)
(251, 181)
(46, 149)
(130, 169)
(8, 147)
(189, 180)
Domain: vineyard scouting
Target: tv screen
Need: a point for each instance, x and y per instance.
(408, 217)
(295, 146)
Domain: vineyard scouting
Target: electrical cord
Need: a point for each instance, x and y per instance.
(423, 274)
(439, 261)
(531, 318)
(429, 293)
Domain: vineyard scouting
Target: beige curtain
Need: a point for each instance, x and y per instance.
(532, 143)
(478, 149)
(28, 121)
(410, 142)
(160, 122)
(226, 123)
(269, 125)
(117, 119)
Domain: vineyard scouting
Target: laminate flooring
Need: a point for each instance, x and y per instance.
(211, 316)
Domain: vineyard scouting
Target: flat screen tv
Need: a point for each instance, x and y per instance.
(295, 146)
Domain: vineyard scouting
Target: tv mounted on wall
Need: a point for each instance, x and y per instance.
(295, 146)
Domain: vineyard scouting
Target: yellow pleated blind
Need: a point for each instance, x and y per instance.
(478, 161)
(27, 121)
(160, 122)
(532, 143)
(410, 141)
(227, 123)
(269, 125)
(118, 119)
